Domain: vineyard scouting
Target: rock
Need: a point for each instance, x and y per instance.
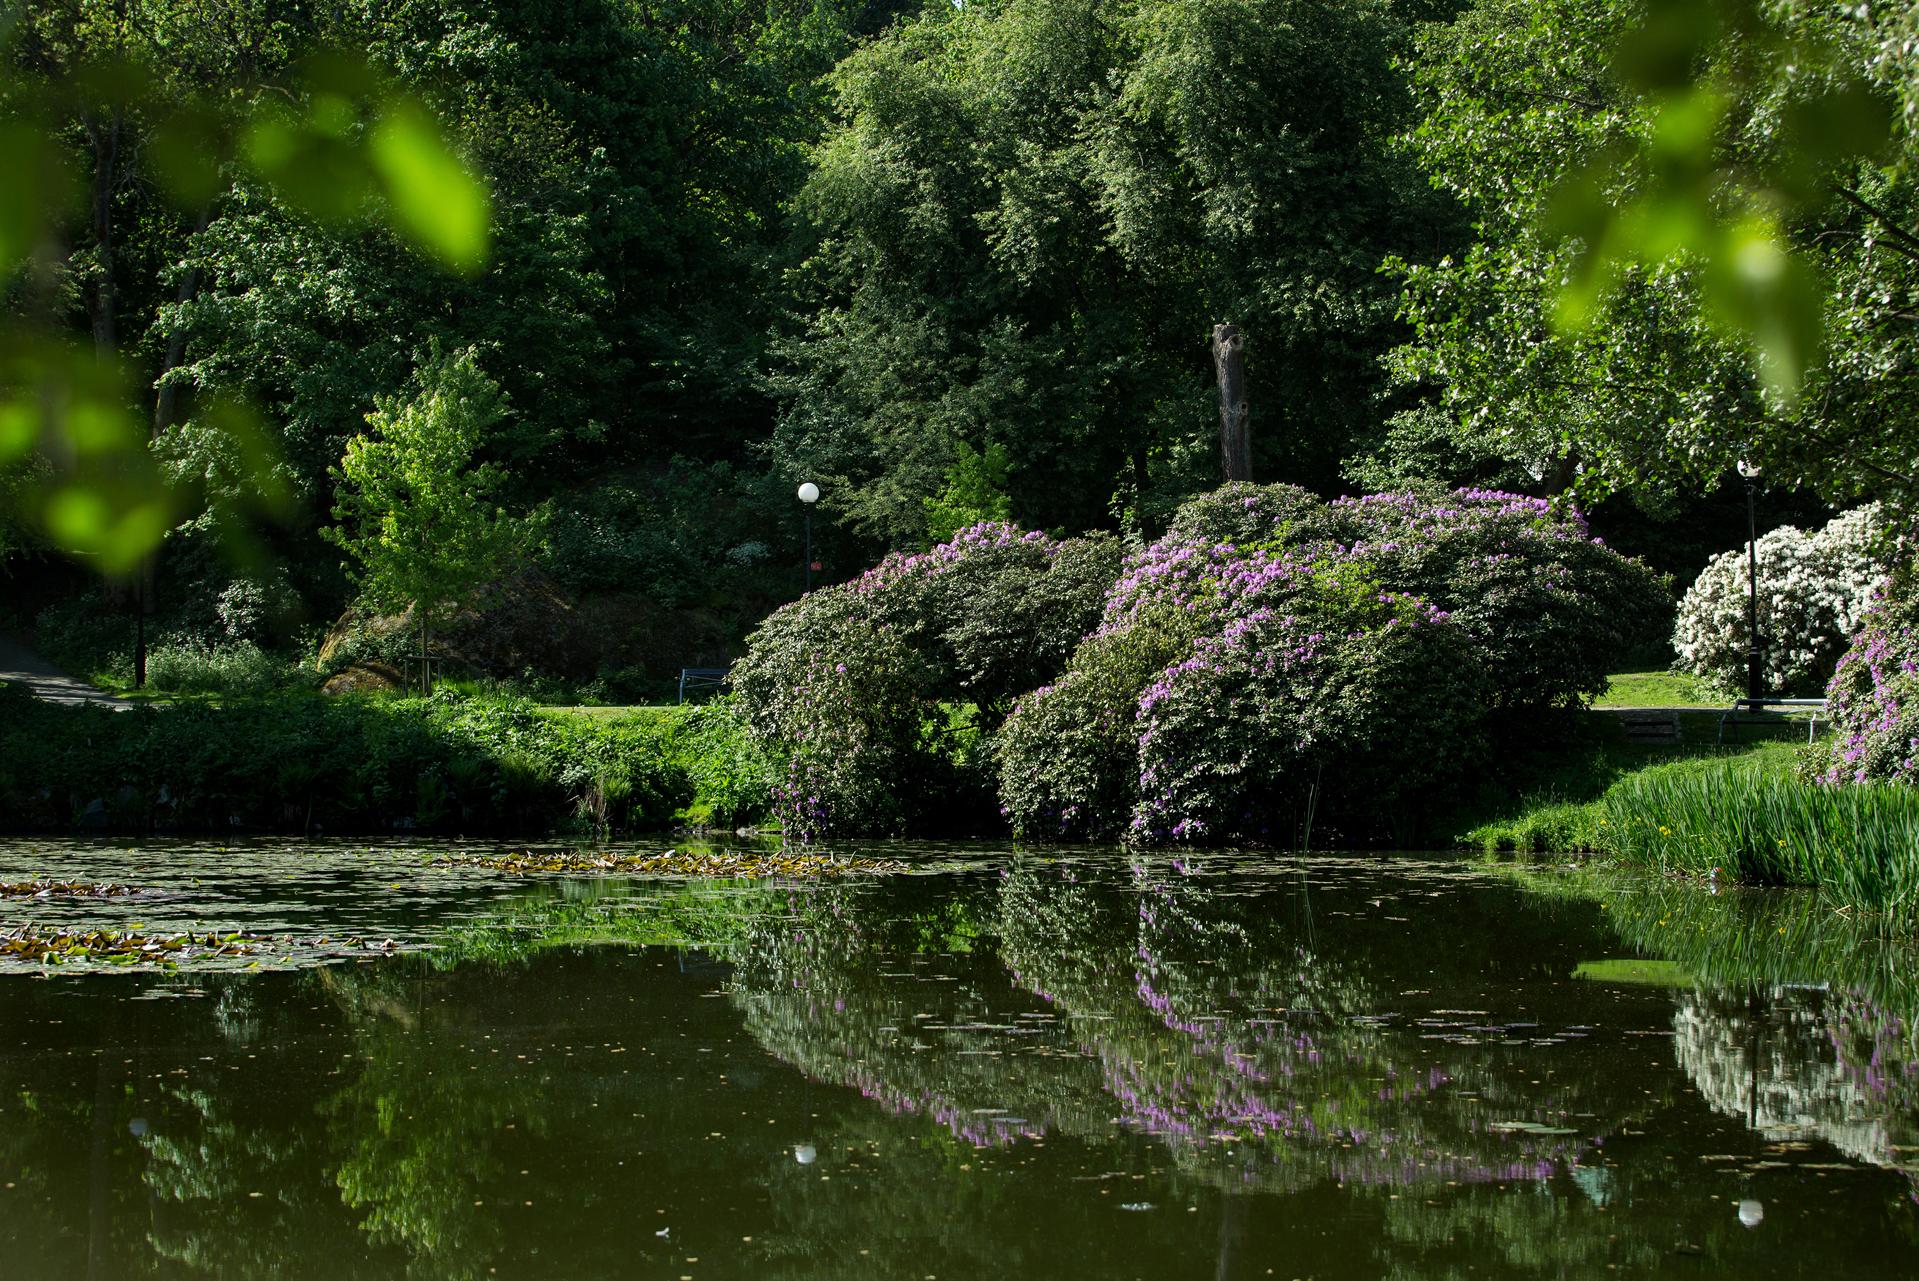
(365, 677)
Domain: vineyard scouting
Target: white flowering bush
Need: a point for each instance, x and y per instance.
(1814, 591)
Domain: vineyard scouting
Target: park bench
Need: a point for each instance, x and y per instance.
(1759, 706)
(701, 678)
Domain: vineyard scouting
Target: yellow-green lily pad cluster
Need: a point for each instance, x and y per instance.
(703, 863)
(35, 945)
(64, 889)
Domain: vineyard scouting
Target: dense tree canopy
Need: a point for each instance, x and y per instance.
(1028, 216)
(951, 262)
(1658, 393)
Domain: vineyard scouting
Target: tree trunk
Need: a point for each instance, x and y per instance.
(424, 689)
(100, 293)
(166, 397)
(1560, 476)
(1235, 439)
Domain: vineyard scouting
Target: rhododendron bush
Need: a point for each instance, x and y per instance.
(1814, 590)
(858, 688)
(1875, 692)
(1275, 657)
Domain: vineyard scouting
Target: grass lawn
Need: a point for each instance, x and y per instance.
(1545, 797)
(1660, 689)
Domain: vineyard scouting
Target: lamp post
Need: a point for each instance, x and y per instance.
(1754, 691)
(809, 494)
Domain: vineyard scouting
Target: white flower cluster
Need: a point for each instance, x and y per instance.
(1813, 591)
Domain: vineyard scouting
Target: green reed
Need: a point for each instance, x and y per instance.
(1859, 844)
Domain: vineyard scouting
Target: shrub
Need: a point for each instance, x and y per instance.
(1814, 589)
(1274, 654)
(835, 700)
(1281, 718)
(1068, 757)
(238, 669)
(1550, 610)
(304, 763)
(1874, 693)
(852, 689)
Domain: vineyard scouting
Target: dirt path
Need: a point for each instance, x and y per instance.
(21, 666)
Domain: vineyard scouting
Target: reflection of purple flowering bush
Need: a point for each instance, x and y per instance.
(1875, 693)
(1273, 647)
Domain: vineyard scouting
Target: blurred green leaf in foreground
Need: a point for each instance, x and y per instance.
(334, 140)
(1683, 194)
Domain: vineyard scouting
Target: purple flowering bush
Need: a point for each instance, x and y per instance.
(1276, 656)
(1340, 722)
(876, 695)
(996, 610)
(1874, 694)
(833, 698)
(1549, 608)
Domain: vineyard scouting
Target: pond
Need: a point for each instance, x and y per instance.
(994, 1065)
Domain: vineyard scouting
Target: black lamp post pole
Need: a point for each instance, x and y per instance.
(1754, 692)
(809, 547)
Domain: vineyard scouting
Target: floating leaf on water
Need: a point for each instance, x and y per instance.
(677, 863)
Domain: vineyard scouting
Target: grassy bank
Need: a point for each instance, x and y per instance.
(1742, 814)
(302, 763)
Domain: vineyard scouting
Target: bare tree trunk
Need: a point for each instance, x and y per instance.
(1235, 438)
(424, 689)
(1560, 476)
(100, 292)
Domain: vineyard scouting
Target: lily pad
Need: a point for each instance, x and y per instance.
(702, 864)
(64, 889)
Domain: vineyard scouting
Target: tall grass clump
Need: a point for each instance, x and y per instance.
(1858, 844)
(237, 669)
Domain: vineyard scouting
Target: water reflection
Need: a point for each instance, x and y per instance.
(1164, 1002)
(1097, 1067)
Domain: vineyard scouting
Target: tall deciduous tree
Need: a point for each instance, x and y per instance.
(1030, 214)
(1537, 130)
(415, 501)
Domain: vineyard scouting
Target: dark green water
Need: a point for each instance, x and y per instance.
(1016, 1067)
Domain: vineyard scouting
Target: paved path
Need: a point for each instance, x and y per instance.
(21, 666)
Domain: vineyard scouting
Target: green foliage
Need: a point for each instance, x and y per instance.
(413, 497)
(1694, 210)
(238, 669)
(1695, 202)
(1069, 755)
(837, 699)
(975, 492)
(1277, 661)
(1859, 844)
(1543, 826)
(150, 91)
(1028, 216)
(860, 688)
(302, 763)
(732, 780)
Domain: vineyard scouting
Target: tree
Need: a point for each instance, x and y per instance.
(413, 502)
(122, 123)
(1028, 217)
(1662, 236)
